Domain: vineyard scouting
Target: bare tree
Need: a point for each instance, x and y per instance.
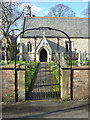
(85, 13)
(61, 10)
(10, 16)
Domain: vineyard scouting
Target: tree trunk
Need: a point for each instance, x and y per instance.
(6, 52)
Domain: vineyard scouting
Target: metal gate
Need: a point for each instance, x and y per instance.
(45, 84)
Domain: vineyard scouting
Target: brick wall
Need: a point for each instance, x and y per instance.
(0, 86)
(7, 76)
(8, 85)
(80, 83)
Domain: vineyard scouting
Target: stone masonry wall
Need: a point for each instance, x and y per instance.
(76, 44)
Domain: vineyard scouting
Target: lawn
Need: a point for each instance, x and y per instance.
(75, 63)
(18, 62)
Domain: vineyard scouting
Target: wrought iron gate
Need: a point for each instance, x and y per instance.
(45, 84)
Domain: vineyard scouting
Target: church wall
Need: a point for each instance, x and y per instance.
(29, 55)
(81, 44)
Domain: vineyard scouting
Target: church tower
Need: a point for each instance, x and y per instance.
(28, 13)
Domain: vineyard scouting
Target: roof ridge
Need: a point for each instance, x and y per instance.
(58, 17)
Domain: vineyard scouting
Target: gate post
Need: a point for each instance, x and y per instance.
(21, 84)
(65, 84)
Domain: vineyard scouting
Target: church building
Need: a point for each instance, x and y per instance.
(40, 45)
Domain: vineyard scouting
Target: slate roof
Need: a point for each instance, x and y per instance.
(74, 27)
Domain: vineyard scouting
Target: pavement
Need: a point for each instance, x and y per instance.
(45, 109)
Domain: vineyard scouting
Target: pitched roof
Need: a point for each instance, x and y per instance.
(74, 27)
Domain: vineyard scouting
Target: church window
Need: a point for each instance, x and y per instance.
(67, 46)
(29, 47)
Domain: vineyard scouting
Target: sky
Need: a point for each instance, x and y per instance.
(42, 8)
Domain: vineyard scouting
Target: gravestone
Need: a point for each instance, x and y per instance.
(57, 58)
(84, 57)
(63, 61)
(88, 56)
(79, 58)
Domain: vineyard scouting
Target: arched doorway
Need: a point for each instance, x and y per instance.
(43, 55)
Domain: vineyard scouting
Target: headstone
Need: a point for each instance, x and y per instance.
(88, 56)
(63, 61)
(56, 58)
(72, 45)
(75, 50)
(79, 58)
(84, 58)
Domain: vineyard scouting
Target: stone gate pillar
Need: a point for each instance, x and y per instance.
(21, 84)
(65, 84)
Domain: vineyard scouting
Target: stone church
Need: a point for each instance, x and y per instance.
(41, 44)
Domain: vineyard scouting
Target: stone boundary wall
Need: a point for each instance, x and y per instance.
(80, 83)
(8, 83)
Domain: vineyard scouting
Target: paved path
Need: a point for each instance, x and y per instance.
(46, 109)
(42, 88)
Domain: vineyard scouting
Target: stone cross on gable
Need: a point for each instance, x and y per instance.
(43, 34)
(44, 38)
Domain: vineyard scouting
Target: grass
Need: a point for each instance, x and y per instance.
(18, 62)
(75, 63)
(54, 69)
(55, 76)
(30, 73)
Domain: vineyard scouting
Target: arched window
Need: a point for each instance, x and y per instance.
(29, 47)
